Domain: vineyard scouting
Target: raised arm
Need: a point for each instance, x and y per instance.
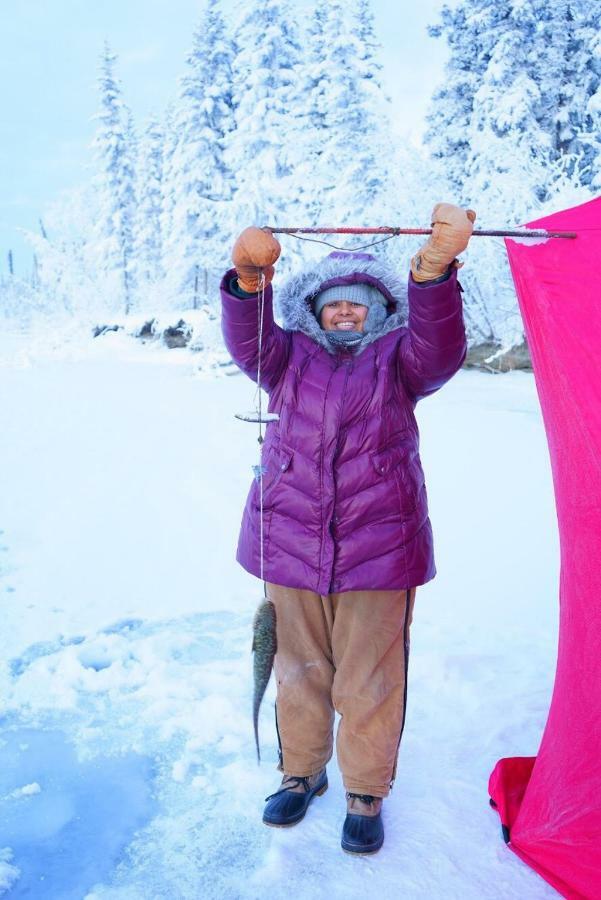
(254, 254)
(434, 346)
(240, 327)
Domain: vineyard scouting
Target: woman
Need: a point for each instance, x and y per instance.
(346, 533)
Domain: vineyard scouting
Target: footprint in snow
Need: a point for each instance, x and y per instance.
(19, 664)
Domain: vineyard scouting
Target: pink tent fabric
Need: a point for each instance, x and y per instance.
(550, 805)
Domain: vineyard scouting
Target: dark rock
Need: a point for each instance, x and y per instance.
(517, 357)
(102, 329)
(478, 353)
(488, 358)
(177, 335)
(147, 330)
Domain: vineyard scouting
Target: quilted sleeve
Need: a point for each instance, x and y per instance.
(240, 328)
(434, 345)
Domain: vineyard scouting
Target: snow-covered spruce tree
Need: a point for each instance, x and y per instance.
(312, 143)
(559, 45)
(506, 174)
(522, 82)
(470, 31)
(198, 183)
(114, 188)
(68, 282)
(306, 177)
(504, 136)
(16, 294)
(398, 183)
(314, 54)
(17, 299)
(169, 143)
(591, 138)
(356, 162)
(268, 147)
(148, 241)
(341, 163)
(569, 72)
(473, 151)
(506, 124)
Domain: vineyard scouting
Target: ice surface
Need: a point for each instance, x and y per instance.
(125, 681)
(8, 873)
(71, 831)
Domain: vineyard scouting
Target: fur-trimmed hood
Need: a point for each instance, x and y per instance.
(295, 295)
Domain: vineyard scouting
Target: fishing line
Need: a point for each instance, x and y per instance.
(259, 408)
(301, 237)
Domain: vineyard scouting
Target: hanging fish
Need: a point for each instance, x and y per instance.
(264, 649)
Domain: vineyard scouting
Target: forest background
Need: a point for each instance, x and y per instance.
(281, 116)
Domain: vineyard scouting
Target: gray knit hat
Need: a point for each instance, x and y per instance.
(359, 292)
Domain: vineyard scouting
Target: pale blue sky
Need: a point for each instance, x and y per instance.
(48, 68)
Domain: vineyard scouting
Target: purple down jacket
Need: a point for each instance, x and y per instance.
(344, 499)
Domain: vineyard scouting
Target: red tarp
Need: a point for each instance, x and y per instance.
(550, 805)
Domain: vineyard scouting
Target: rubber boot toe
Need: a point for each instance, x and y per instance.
(287, 807)
(362, 834)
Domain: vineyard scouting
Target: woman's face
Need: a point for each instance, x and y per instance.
(342, 315)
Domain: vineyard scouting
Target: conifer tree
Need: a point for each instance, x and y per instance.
(470, 32)
(515, 127)
(507, 145)
(114, 183)
(354, 114)
(522, 83)
(199, 185)
(264, 149)
(570, 73)
(149, 244)
(309, 177)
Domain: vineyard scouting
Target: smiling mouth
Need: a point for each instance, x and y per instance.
(345, 326)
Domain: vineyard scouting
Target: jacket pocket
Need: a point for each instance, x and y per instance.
(396, 463)
(277, 463)
(384, 461)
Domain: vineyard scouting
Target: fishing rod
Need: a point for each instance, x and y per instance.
(388, 232)
(392, 231)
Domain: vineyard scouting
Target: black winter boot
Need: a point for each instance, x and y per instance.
(363, 830)
(289, 805)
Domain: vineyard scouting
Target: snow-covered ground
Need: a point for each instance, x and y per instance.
(127, 763)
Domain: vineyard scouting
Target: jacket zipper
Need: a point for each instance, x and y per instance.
(349, 368)
(321, 477)
(406, 652)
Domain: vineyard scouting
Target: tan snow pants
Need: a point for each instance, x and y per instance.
(345, 652)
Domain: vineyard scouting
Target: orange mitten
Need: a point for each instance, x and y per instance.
(254, 253)
(451, 230)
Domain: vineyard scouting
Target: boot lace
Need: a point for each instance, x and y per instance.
(295, 781)
(365, 798)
